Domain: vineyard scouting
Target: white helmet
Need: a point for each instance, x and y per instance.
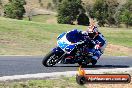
(92, 31)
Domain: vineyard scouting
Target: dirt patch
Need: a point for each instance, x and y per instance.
(52, 21)
(117, 50)
(3, 41)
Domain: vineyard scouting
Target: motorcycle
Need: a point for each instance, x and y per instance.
(71, 48)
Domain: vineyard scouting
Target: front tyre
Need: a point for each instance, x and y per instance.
(50, 59)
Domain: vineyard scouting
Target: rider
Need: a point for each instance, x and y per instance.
(97, 42)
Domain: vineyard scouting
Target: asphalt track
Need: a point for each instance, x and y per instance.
(20, 65)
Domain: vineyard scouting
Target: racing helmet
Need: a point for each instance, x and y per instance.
(92, 31)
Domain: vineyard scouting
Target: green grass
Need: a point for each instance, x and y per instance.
(36, 38)
(63, 82)
(41, 18)
(31, 38)
(118, 36)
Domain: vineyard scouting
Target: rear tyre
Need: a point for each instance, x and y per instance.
(50, 59)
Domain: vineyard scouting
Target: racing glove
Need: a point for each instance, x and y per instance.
(97, 45)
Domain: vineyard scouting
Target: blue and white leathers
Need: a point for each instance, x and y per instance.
(101, 39)
(102, 42)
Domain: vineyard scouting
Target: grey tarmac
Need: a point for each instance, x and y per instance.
(20, 65)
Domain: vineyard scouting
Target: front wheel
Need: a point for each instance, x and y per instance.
(50, 59)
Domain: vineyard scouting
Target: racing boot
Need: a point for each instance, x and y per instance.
(94, 60)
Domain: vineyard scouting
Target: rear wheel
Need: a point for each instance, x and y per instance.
(50, 59)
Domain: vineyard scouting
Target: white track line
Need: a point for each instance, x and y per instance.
(59, 74)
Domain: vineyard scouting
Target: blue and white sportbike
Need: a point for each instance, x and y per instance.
(71, 49)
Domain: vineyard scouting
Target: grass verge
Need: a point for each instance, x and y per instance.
(63, 82)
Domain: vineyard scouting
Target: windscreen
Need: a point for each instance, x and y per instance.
(74, 36)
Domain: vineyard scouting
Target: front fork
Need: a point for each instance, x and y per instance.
(58, 51)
